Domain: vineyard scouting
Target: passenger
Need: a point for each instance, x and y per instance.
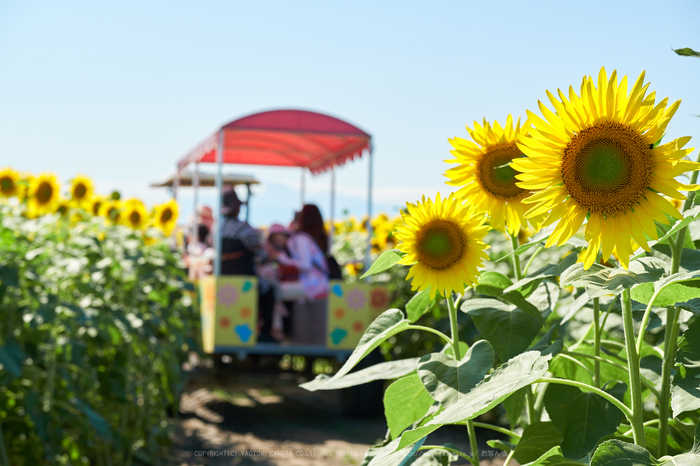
(306, 252)
(204, 216)
(276, 243)
(239, 245)
(199, 254)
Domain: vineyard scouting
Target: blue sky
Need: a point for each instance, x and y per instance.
(120, 90)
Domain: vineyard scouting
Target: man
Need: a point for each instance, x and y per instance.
(239, 245)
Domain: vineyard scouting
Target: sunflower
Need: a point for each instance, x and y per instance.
(484, 173)
(95, 204)
(598, 158)
(443, 243)
(134, 214)
(111, 210)
(165, 217)
(64, 207)
(43, 195)
(81, 191)
(9, 183)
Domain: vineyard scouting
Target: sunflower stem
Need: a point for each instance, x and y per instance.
(532, 257)
(458, 356)
(633, 366)
(516, 258)
(531, 412)
(453, 327)
(596, 342)
(433, 331)
(671, 331)
(670, 346)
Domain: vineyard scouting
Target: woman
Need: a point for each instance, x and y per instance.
(307, 248)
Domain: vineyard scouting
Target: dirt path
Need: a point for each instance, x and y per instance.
(266, 419)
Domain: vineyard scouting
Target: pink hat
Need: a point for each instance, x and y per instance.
(277, 228)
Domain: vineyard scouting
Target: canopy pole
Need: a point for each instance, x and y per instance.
(302, 189)
(176, 181)
(331, 229)
(195, 185)
(369, 211)
(220, 191)
(247, 204)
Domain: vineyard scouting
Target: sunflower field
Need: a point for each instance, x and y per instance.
(96, 321)
(567, 265)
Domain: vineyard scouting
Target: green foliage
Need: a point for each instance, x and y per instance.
(384, 262)
(687, 52)
(581, 418)
(548, 353)
(685, 392)
(537, 439)
(405, 402)
(95, 327)
(448, 380)
(600, 280)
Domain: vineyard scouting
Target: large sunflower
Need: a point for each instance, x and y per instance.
(81, 191)
(165, 217)
(484, 173)
(443, 244)
(134, 214)
(43, 197)
(9, 183)
(597, 158)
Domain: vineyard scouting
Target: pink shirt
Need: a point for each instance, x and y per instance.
(311, 262)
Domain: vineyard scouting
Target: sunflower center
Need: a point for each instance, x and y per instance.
(607, 167)
(79, 191)
(44, 192)
(496, 175)
(7, 184)
(135, 218)
(440, 244)
(96, 208)
(166, 215)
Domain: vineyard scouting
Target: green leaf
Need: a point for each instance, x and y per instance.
(600, 280)
(510, 330)
(581, 418)
(501, 445)
(515, 374)
(553, 457)
(537, 439)
(685, 388)
(514, 405)
(492, 284)
(12, 358)
(689, 216)
(448, 380)
(389, 455)
(619, 453)
(382, 371)
(545, 297)
(388, 323)
(548, 271)
(384, 262)
(539, 239)
(420, 304)
(687, 52)
(677, 288)
(433, 458)
(405, 402)
(98, 422)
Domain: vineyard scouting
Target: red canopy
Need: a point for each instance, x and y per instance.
(287, 138)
